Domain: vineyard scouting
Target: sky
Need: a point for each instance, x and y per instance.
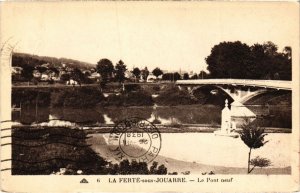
(170, 35)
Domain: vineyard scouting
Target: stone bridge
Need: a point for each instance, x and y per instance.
(239, 90)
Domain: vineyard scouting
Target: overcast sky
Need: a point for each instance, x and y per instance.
(170, 35)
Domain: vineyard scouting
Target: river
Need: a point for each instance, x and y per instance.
(272, 116)
(111, 115)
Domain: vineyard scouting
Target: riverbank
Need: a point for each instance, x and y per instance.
(184, 128)
(107, 128)
(203, 153)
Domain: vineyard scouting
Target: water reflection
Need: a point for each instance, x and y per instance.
(194, 114)
(112, 115)
(272, 116)
(28, 114)
(87, 115)
(117, 114)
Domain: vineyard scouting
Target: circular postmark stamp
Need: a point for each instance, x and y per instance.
(135, 139)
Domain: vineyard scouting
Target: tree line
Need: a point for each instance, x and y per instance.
(235, 60)
(259, 61)
(109, 72)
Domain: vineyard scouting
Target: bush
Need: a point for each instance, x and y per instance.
(156, 88)
(128, 168)
(77, 97)
(173, 96)
(140, 98)
(132, 87)
(30, 97)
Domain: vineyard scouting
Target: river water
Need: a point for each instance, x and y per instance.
(160, 115)
(272, 116)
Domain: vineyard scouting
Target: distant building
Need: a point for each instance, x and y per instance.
(95, 76)
(72, 82)
(16, 70)
(36, 74)
(46, 65)
(45, 77)
(151, 78)
(85, 72)
(129, 75)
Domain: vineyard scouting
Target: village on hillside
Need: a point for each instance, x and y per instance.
(66, 73)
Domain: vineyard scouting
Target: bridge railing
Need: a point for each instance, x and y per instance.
(277, 84)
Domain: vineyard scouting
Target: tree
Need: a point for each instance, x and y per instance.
(270, 48)
(136, 72)
(176, 76)
(253, 137)
(229, 60)
(105, 68)
(87, 73)
(65, 77)
(77, 75)
(185, 76)
(259, 61)
(157, 72)
(195, 76)
(145, 73)
(27, 72)
(171, 76)
(55, 70)
(268, 63)
(288, 52)
(202, 75)
(160, 170)
(41, 69)
(120, 70)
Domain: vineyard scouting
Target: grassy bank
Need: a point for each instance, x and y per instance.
(135, 98)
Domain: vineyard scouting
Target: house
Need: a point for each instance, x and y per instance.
(95, 76)
(151, 78)
(36, 74)
(16, 70)
(72, 82)
(51, 73)
(87, 72)
(44, 77)
(46, 65)
(129, 75)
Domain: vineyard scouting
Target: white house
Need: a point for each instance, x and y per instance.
(16, 70)
(72, 82)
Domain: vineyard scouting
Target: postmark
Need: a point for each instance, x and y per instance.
(135, 139)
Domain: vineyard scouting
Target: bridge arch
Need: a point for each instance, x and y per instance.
(225, 92)
(251, 95)
(234, 93)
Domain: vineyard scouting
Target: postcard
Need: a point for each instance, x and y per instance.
(149, 96)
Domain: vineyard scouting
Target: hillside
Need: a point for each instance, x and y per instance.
(23, 59)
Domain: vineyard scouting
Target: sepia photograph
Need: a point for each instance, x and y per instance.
(149, 88)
